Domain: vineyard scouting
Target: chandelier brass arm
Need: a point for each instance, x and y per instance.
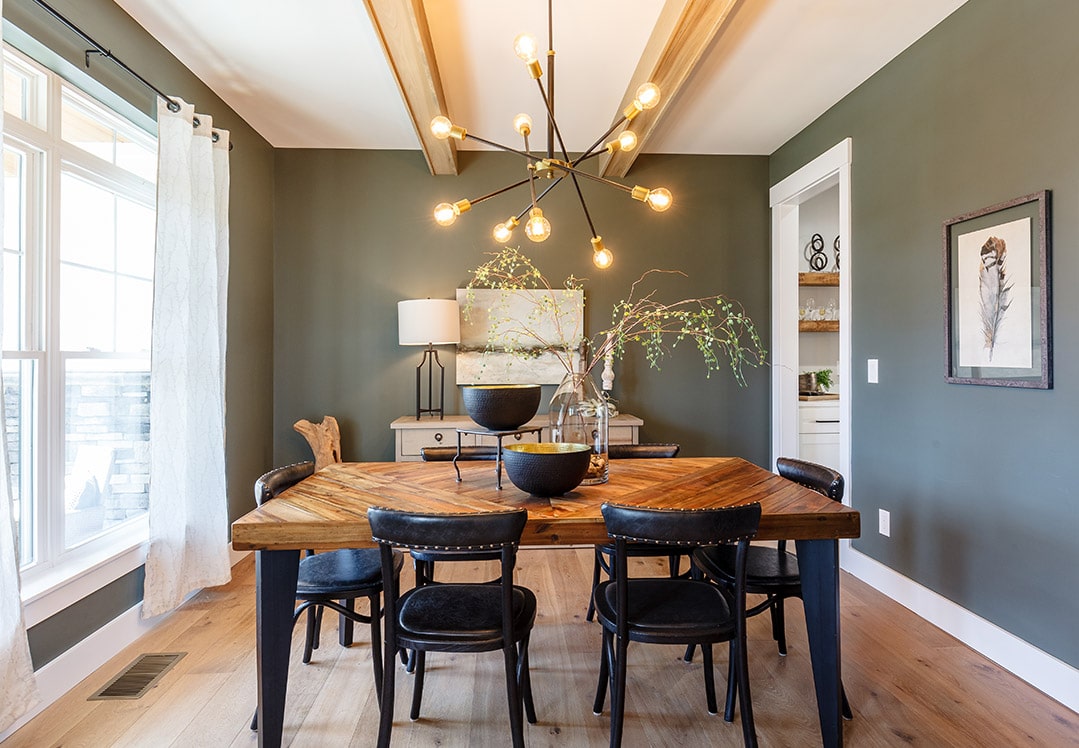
(537, 226)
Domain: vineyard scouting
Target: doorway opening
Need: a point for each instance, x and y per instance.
(811, 311)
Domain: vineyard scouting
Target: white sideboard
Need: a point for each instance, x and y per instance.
(818, 432)
(411, 435)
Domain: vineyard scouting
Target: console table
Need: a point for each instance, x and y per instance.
(411, 435)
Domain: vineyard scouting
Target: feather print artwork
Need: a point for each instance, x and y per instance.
(994, 289)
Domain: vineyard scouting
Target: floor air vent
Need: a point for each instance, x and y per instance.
(138, 677)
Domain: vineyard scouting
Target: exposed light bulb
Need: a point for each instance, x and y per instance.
(441, 127)
(659, 199)
(537, 228)
(648, 95)
(445, 214)
(524, 46)
(627, 141)
(522, 123)
(601, 256)
(503, 231)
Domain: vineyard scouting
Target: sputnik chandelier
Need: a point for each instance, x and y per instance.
(537, 226)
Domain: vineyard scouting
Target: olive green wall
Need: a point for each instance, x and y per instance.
(249, 386)
(984, 509)
(354, 235)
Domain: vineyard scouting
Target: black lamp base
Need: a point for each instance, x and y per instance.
(430, 359)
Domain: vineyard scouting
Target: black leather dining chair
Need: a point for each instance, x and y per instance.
(603, 552)
(332, 579)
(773, 572)
(456, 616)
(660, 610)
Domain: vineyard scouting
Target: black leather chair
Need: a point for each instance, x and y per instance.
(334, 579)
(773, 572)
(455, 616)
(424, 559)
(660, 610)
(604, 552)
(446, 454)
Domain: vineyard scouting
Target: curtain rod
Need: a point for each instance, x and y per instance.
(100, 50)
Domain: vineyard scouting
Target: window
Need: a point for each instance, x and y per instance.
(79, 201)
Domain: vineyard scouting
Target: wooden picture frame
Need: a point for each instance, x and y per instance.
(997, 308)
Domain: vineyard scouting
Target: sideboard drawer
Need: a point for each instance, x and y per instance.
(413, 440)
(412, 434)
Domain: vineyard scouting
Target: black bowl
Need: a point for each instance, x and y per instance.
(501, 407)
(548, 468)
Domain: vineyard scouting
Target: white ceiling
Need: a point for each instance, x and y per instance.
(311, 73)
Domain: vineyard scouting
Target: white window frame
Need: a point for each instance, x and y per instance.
(59, 577)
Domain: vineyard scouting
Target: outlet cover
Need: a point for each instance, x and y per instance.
(885, 523)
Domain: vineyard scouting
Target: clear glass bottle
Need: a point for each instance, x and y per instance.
(579, 413)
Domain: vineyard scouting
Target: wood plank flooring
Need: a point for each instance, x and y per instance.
(908, 683)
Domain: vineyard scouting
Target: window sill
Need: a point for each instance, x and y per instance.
(49, 591)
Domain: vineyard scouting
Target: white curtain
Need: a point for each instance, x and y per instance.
(18, 689)
(189, 527)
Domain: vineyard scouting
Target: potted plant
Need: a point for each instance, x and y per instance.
(718, 326)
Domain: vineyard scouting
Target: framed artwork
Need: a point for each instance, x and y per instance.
(507, 336)
(997, 311)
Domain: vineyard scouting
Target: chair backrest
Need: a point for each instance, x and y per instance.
(821, 479)
(637, 451)
(445, 454)
(692, 527)
(447, 532)
(277, 480)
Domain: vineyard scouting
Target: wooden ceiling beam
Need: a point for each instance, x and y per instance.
(402, 28)
(681, 37)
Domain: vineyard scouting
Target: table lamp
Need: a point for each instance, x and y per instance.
(429, 322)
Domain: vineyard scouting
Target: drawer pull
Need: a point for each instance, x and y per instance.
(820, 421)
(517, 437)
(438, 437)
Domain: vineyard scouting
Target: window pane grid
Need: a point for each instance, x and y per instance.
(78, 289)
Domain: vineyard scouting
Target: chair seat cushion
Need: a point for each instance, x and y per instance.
(765, 566)
(340, 572)
(463, 613)
(678, 608)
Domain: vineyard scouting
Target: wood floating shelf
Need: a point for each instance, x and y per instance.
(818, 279)
(818, 325)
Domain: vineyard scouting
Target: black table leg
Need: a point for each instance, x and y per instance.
(818, 564)
(275, 597)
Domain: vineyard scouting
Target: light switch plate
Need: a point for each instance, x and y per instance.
(885, 523)
(871, 370)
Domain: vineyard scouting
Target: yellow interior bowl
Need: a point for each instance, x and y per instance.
(548, 448)
(546, 468)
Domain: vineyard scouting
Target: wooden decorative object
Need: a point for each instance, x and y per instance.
(324, 438)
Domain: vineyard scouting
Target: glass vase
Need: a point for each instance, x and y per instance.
(579, 413)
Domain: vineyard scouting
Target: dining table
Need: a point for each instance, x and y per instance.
(329, 510)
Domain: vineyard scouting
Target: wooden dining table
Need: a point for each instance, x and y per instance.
(329, 510)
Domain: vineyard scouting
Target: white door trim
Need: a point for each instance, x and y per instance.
(828, 170)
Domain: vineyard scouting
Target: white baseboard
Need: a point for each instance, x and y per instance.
(1055, 678)
(70, 668)
(66, 671)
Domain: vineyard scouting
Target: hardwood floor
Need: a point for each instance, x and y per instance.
(908, 683)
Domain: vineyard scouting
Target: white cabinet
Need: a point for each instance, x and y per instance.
(818, 432)
(410, 435)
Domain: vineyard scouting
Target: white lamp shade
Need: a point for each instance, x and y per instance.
(428, 321)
